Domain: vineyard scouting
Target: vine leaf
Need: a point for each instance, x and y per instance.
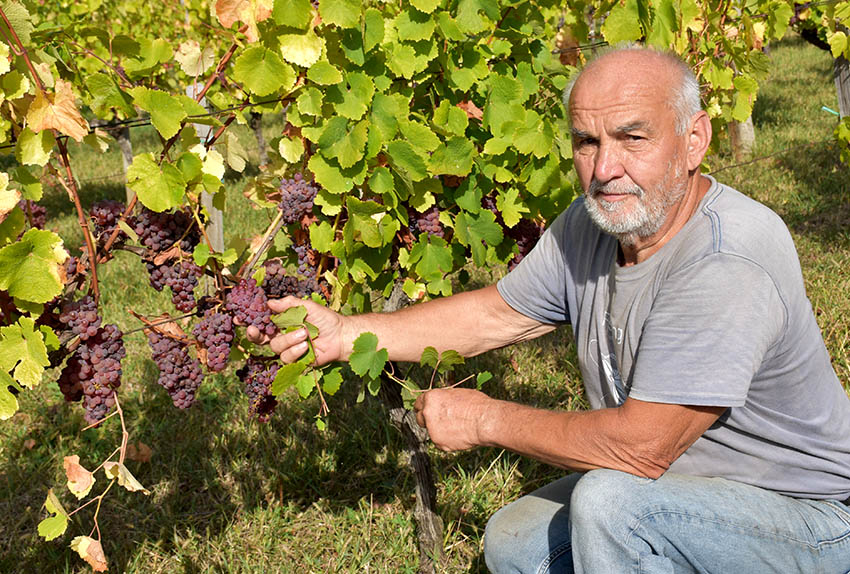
(34, 148)
(80, 480)
(192, 59)
(366, 360)
(167, 112)
(8, 197)
(159, 187)
(124, 476)
(301, 49)
(263, 72)
(30, 268)
(8, 401)
(58, 111)
(287, 376)
(622, 23)
(249, 12)
(342, 13)
(91, 551)
(55, 525)
(293, 13)
(22, 348)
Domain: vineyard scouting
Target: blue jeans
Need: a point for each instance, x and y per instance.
(610, 522)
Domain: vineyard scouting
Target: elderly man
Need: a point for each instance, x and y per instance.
(719, 438)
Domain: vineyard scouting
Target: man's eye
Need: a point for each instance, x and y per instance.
(634, 137)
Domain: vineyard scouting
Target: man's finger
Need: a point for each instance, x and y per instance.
(281, 305)
(418, 406)
(255, 336)
(284, 341)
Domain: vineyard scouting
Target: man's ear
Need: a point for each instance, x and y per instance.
(699, 137)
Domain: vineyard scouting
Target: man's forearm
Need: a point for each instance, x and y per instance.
(470, 323)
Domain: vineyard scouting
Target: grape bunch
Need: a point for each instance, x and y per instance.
(179, 373)
(279, 283)
(526, 233)
(81, 317)
(159, 231)
(36, 214)
(181, 277)
(93, 372)
(215, 333)
(427, 222)
(258, 376)
(104, 215)
(247, 303)
(296, 198)
(308, 259)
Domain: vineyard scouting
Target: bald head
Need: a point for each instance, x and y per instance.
(649, 68)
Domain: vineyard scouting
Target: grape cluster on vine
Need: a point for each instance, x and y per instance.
(278, 282)
(247, 302)
(297, 196)
(93, 372)
(427, 222)
(36, 214)
(81, 317)
(181, 277)
(258, 376)
(215, 334)
(160, 231)
(104, 215)
(525, 233)
(179, 373)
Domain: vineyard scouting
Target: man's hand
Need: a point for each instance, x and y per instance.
(292, 346)
(453, 417)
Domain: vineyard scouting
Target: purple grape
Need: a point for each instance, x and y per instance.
(258, 376)
(247, 303)
(296, 198)
(215, 333)
(179, 373)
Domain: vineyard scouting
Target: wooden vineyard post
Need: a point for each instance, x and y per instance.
(215, 227)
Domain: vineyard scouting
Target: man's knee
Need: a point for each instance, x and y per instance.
(605, 495)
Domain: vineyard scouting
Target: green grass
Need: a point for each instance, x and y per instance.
(230, 495)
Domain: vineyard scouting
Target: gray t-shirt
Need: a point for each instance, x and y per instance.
(717, 317)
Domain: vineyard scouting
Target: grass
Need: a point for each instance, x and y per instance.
(229, 495)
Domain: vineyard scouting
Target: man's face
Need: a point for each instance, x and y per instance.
(628, 157)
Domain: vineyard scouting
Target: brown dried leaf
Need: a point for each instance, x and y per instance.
(139, 452)
(125, 477)
(58, 111)
(91, 551)
(162, 324)
(29, 444)
(473, 112)
(173, 252)
(80, 480)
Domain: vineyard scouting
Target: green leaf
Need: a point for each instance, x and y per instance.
(623, 23)
(352, 99)
(108, 95)
(351, 43)
(407, 159)
(381, 181)
(30, 268)
(167, 113)
(370, 222)
(419, 135)
(332, 381)
(306, 383)
(263, 72)
(482, 378)
(534, 136)
(432, 258)
(351, 147)
(201, 254)
(511, 207)
(426, 6)
(837, 43)
(473, 230)
(322, 236)
(342, 13)
(449, 119)
(34, 148)
(373, 33)
(454, 157)
(290, 149)
(413, 26)
(324, 73)
(328, 175)
(664, 24)
(8, 401)
(287, 376)
(56, 524)
(449, 359)
(158, 187)
(30, 185)
(310, 102)
(292, 317)
(720, 77)
(429, 357)
(366, 360)
(293, 13)
(22, 348)
(301, 49)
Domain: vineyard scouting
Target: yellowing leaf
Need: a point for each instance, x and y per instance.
(34, 148)
(80, 480)
(9, 198)
(192, 59)
(55, 525)
(248, 12)
(125, 478)
(301, 49)
(8, 401)
(58, 111)
(91, 551)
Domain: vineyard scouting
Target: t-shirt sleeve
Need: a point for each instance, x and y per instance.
(537, 287)
(710, 327)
